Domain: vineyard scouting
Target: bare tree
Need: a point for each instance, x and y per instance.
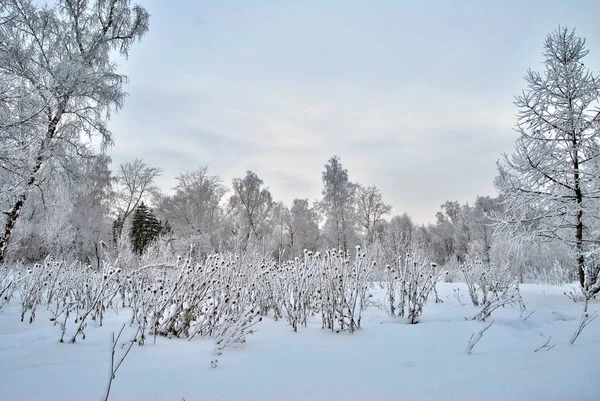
(135, 181)
(550, 181)
(370, 209)
(254, 205)
(338, 202)
(60, 56)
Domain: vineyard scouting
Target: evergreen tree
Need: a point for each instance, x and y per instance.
(145, 228)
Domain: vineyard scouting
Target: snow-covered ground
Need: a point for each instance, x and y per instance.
(386, 360)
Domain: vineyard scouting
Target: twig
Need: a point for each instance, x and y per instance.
(529, 315)
(475, 337)
(457, 295)
(546, 346)
(586, 319)
(113, 368)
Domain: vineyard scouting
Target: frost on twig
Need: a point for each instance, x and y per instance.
(586, 318)
(475, 337)
(575, 294)
(499, 299)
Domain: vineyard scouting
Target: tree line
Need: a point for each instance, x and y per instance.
(93, 209)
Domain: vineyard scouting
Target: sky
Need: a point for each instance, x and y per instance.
(415, 97)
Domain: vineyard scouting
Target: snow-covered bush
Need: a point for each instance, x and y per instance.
(419, 280)
(490, 287)
(8, 284)
(333, 284)
(342, 288)
(391, 284)
(408, 285)
(31, 289)
(296, 283)
(71, 292)
(211, 297)
(206, 298)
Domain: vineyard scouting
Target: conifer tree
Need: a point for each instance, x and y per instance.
(145, 228)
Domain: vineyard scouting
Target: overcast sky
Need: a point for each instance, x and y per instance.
(415, 97)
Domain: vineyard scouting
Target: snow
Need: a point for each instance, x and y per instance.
(386, 360)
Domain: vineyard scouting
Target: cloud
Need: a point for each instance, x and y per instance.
(416, 99)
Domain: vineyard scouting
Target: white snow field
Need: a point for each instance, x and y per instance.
(386, 360)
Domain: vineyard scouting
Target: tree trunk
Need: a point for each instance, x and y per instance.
(486, 245)
(579, 245)
(15, 212)
(579, 221)
(344, 239)
(17, 208)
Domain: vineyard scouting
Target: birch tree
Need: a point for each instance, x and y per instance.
(550, 181)
(338, 203)
(254, 205)
(370, 209)
(58, 60)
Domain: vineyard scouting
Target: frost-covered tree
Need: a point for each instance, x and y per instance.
(301, 223)
(338, 204)
(275, 238)
(450, 212)
(194, 210)
(68, 215)
(463, 233)
(481, 226)
(254, 206)
(370, 210)
(91, 208)
(443, 234)
(550, 181)
(134, 184)
(58, 61)
(398, 237)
